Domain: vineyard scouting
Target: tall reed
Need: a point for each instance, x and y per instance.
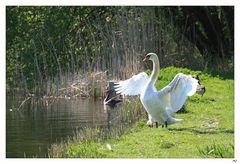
(114, 43)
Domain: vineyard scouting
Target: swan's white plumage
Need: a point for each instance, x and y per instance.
(132, 86)
(174, 99)
(159, 104)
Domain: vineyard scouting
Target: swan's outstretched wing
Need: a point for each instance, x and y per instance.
(132, 86)
(174, 95)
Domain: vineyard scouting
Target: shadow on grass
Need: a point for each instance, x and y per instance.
(203, 131)
(183, 110)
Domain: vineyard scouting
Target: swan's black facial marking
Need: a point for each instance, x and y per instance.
(147, 57)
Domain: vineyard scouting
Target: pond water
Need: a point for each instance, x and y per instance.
(31, 129)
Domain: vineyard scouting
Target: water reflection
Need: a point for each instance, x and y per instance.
(33, 128)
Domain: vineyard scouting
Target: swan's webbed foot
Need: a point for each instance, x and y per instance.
(156, 124)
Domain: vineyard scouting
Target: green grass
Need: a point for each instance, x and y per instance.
(207, 130)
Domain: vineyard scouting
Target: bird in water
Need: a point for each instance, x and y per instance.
(112, 102)
(160, 105)
(111, 98)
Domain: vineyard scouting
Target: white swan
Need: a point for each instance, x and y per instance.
(160, 105)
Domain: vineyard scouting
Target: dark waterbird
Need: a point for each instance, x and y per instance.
(111, 98)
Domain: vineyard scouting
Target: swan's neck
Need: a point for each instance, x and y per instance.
(154, 75)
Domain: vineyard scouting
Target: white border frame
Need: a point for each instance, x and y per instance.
(4, 3)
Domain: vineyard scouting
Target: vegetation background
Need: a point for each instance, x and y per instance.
(49, 48)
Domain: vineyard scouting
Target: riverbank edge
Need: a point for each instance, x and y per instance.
(207, 128)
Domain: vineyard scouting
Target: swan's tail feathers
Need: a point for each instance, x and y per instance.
(172, 120)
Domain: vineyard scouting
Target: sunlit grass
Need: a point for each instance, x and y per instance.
(217, 150)
(206, 132)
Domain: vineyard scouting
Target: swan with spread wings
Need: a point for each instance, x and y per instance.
(160, 105)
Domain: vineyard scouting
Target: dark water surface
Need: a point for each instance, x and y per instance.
(35, 126)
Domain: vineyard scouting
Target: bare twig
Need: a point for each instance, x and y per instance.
(23, 102)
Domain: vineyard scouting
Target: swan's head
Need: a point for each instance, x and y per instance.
(151, 56)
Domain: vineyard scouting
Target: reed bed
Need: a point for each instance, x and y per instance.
(79, 63)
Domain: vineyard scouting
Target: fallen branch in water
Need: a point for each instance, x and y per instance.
(23, 102)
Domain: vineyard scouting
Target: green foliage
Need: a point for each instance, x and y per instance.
(50, 45)
(208, 28)
(217, 151)
(206, 132)
(44, 43)
(85, 150)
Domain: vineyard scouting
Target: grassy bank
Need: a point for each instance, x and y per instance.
(207, 130)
